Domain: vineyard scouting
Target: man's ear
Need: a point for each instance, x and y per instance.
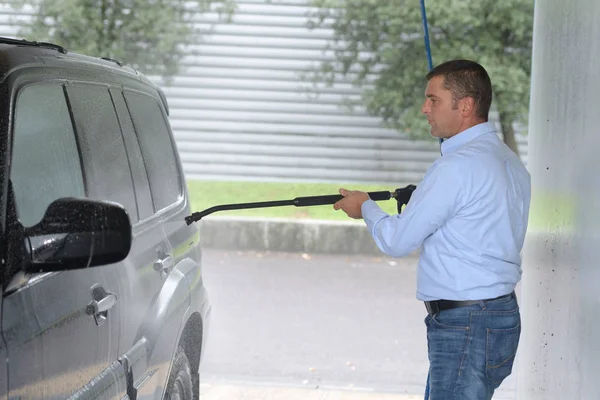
(467, 105)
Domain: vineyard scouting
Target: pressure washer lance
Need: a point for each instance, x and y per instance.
(401, 195)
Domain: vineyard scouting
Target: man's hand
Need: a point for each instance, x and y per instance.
(351, 203)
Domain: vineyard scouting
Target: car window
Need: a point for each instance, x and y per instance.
(45, 163)
(102, 147)
(157, 148)
(136, 162)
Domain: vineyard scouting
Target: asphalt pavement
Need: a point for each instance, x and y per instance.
(314, 326)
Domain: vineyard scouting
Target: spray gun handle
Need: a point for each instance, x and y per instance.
(402, 196)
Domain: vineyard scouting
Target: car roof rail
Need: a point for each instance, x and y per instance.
(119, 63)
(23, 42)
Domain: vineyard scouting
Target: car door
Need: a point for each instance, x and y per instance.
(56, 348)
(145, 270)
(163, 319)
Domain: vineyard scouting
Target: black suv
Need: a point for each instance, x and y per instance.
(102, 294)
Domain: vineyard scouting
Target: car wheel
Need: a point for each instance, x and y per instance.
(180, 378)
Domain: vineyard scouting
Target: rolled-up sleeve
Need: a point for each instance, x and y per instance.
(435, 200)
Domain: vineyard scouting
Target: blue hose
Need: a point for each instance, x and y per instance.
(426, 38)
(426, 34)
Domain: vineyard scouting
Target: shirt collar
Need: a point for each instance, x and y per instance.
(461, 138)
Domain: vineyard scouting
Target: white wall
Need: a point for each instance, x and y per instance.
(560, 347)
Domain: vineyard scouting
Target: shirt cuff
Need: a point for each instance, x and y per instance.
(372, 213)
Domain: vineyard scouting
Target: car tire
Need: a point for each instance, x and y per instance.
(196, 385)
(180, 386)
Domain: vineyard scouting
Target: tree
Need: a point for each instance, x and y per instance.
(149, 35)
(379, 45)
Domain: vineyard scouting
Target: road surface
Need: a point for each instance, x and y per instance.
(328, 324)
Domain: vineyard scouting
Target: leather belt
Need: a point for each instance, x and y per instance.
(434, 307)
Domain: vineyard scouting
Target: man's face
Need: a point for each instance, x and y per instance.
(445, 120)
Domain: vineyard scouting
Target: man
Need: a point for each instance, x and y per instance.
(468, 216)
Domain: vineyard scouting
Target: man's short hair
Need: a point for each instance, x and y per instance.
(465, 78)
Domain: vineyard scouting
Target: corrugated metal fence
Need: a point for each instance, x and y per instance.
(240, 108)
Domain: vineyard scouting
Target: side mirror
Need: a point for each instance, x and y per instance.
(78, 233)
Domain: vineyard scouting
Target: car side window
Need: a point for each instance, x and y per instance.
(102, 147)
(157, 148)
(136, 162)
(45, 163)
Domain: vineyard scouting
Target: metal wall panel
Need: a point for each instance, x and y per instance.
(240, 109)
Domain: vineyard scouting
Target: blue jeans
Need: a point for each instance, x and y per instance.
(472, 349)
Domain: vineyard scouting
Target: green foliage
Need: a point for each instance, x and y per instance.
(379, 44)
(149, 35)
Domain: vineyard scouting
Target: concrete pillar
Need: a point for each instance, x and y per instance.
(560, 345)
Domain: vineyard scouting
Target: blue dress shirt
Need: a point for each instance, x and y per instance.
(469, 217)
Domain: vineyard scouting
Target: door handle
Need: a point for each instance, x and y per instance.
(163, 265)
(105, 304)
(101, 303)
